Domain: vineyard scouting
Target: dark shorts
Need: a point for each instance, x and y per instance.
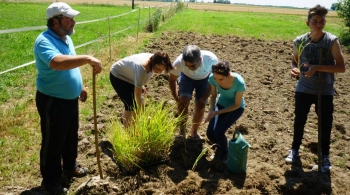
(125, 91)
(188, 85)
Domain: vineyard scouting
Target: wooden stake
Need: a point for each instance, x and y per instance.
(319, 114)
(95, 122)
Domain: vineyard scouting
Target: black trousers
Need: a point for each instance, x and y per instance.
(59, 121)
(303, 102)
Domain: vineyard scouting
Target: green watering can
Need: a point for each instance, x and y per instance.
(237, 153)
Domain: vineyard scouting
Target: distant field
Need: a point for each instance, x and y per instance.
(200, 6)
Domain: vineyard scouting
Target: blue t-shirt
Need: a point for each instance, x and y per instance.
(65, 84)
(227, 96)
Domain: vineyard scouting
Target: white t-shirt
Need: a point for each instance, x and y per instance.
(129, 69)
(208, 60)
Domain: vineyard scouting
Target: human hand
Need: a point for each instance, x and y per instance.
(211, 115)
(311, 70)
(144, 90)
(83, 95)
(177, 99)
(295, 72)
(96, 64)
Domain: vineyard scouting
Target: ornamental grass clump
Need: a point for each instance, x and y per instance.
(148, 140)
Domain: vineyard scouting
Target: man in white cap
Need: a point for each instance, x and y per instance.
(59, 86)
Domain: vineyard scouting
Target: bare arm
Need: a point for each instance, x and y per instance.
(66, 62)
(295, 72)
(172, 86)
(212, 111)
(213, 98)
(339, 62)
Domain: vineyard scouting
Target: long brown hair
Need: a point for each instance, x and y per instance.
(161, 58)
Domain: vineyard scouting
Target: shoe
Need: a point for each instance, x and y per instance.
(326, 164)
(292, 156)
(178, 137)
(54, 188)
(196, 137)
(77, 172)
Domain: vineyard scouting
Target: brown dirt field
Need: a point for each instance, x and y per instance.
(266, 124)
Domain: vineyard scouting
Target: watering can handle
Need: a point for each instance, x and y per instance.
(236, 134)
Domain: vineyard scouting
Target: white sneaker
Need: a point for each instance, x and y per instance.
(292, 156)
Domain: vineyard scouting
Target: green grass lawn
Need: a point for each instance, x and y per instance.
(265, 26)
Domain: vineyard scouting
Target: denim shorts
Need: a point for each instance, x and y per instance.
(188, 85)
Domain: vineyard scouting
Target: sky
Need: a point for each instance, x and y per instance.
(293, 3)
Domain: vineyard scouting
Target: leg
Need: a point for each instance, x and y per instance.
(326, 122)
(56, 116)
(128, 117)
(225, 121)
(183, 113)
(303, 103)
(197, 117)
(125, 91)
(202, 88)
(186, 87)
(210, 131)
(70, 149)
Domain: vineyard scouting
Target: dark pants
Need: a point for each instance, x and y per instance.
(224, 121)
(303, 102)
(59, 120)
(125, 91)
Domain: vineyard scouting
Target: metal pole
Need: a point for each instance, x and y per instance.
(95, 123)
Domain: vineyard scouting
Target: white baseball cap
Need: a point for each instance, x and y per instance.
(59, 8)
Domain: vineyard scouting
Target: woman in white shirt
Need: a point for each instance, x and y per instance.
(129, 75)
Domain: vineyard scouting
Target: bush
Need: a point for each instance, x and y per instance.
(153, 23)
(344, 38)
(148, 140)
(162, 14)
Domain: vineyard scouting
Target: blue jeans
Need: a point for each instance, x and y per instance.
(303, 102)
(224, 121)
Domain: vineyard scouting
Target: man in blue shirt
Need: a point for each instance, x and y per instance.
(59, 86)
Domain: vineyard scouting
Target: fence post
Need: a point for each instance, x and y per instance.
(149, 14)
(109, 37)
(138, 26)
